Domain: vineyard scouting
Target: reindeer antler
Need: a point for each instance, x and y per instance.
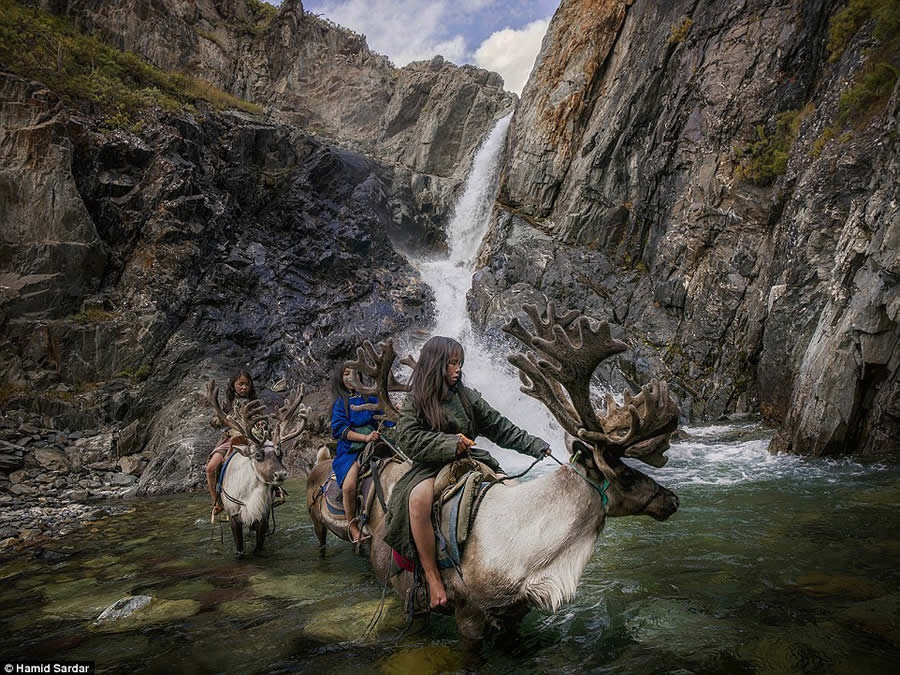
(250, 415)
(568, 347)
(282, 417)
(377, 364)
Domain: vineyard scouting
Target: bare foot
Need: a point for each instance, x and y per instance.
(217, 509)
(436, 591)
(354, 532)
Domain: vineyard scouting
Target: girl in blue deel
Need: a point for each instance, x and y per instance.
(353, 429)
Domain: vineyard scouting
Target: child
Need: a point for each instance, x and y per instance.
(353, 429)
(240, 392)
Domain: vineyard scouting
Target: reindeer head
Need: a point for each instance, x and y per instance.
(567, 348)
(261, 436)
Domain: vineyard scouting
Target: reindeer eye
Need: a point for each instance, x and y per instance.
(259, 456)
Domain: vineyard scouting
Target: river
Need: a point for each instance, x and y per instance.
(773, 564)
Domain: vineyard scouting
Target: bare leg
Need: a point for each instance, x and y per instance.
(420, 501)
(212, 467)
(349, 491)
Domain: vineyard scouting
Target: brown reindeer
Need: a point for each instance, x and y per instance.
(531, 541)
(372, 375)
(255, 466)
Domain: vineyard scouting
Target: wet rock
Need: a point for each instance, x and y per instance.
(22, 489)
(122, 479)
(131, 465)
(123, 607)
(47, 555)
(17, 476)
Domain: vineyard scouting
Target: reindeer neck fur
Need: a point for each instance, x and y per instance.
(533, 540)
(242, 483)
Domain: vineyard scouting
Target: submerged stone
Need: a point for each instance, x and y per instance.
(123, 607)
(422, 660)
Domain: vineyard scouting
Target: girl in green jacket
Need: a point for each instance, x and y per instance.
(439, 422)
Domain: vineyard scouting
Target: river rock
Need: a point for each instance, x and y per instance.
(131, 465)
(123, 607)
(52, 459)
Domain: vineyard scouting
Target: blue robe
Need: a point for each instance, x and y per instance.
(360, 421)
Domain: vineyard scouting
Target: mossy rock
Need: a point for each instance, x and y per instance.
(820, 585)
(100, 561)
(348, 621)
(158, 612)
(422, 660)
(301, 587)
(244, 609)
(880, 617)
(80, 599)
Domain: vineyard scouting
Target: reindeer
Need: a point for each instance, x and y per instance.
(255, 467)
(375, 364)
(530, 541)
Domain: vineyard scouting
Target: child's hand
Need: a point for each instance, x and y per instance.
(372, 436)
(463, 443)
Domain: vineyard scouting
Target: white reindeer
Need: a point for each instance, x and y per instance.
(254, 467)
(530, 541)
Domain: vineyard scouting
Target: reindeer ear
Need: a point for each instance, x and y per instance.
(602, 465)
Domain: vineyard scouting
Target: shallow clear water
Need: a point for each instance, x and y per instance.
(773, 564)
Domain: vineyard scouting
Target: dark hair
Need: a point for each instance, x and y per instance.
(428, 383)
(229, 395)
(338, 390)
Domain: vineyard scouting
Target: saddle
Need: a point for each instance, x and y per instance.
(458, 491)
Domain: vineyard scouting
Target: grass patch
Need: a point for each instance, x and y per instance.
(94, 315)
(680, 31)
(761, 161)
(136, 374)
(79, 67)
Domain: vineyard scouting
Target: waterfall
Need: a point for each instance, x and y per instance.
(450, 278)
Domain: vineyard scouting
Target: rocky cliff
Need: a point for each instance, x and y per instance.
(721, 181)
(425, 119)
(137, 266)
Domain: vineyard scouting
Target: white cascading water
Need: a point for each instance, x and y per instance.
(451, 277)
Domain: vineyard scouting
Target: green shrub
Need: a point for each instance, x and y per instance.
(846, 22)
(868, 96)
(79, 67)
(761, 161)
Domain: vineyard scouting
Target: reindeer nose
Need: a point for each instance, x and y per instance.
(280, 476)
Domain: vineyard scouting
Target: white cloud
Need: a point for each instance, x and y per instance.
(512, 53)
(404, 30)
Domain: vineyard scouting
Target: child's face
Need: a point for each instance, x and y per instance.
(242, 386)
(454, 368)
(347, 379)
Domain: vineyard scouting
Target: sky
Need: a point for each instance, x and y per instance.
(500, 35)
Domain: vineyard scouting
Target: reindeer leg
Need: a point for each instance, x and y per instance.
(237, 532)
(320, 530)
(260, 537)
(471, 623)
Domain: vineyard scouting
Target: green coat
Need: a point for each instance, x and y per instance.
(431, 450)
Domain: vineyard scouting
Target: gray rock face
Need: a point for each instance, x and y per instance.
(50, 253)
(239, 244)
(426, 118)
(779, 297)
